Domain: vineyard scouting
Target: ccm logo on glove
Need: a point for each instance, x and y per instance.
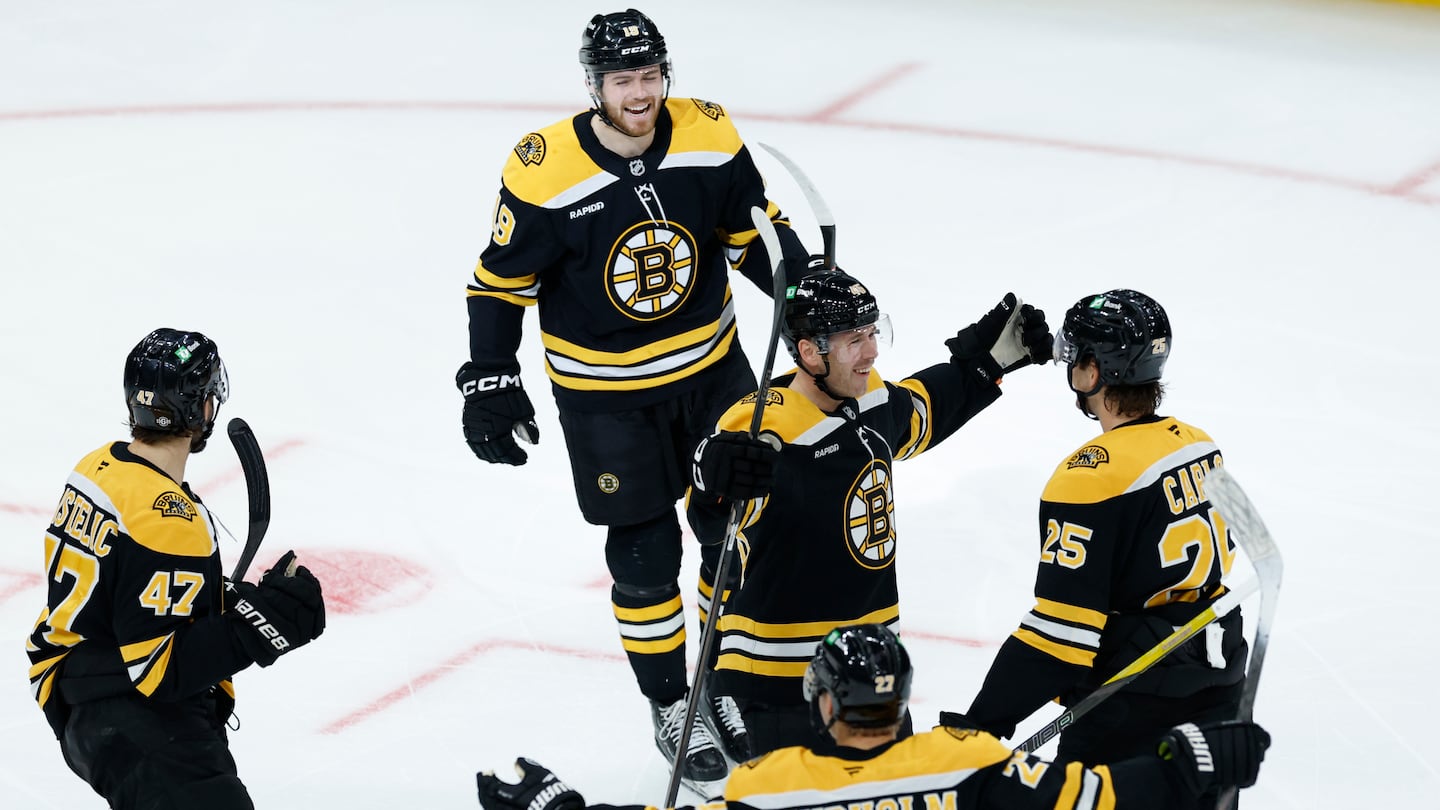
(495, 382)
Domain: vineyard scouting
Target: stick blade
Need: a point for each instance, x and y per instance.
(1244, 519)
(1252, 535)
(252, 462)
(823, 217)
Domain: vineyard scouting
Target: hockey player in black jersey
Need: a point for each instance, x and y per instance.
(819, 539)
(131, 658)
(857, 686)
(1130, 548)
(622, 224)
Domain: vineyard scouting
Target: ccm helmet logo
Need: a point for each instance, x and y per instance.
(494, 382)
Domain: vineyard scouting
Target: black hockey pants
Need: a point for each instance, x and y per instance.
(145, 755)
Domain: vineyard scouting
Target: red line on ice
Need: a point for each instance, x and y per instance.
(22, 509)
(1408, 185)
(862, 92)
(1405, 190)
(236, 474)
(23, 580)
(453, 664)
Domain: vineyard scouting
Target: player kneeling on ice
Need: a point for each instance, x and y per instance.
(132, 656)
(857, 687)
(819, 539)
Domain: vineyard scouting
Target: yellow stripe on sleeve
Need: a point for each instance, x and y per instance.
(1063, 652)
(1070, 613)
(654, 646)
(664, 610)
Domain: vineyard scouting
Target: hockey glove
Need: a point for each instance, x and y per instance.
(1010, 336)
(286, 610)
(1215, 755)
(962, 721)
(731, 464)
(496, 406)
(538, 789)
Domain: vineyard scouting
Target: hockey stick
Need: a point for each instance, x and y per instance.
(817, 204)
(737, 509)
(257, 486)
(1233, 597)
(1265, 558)
(1260, 546)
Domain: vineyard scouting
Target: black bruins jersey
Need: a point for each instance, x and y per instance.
(627, 258)
(942, 769)
(819, 551)
(1127, 536)
(134, 593)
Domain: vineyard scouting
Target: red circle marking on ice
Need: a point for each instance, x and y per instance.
(362, 581)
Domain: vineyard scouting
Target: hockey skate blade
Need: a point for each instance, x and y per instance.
(705, 791)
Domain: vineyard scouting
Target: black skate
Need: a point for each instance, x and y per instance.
(723, 721)
(705, 768)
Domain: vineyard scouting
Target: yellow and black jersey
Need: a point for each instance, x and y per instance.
(941, 769)
(627, 258)
(819, 551)
(134, 589)
(1126, 535)
(946, 768)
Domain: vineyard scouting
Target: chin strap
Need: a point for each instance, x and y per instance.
(1082, 397)
(820, 378)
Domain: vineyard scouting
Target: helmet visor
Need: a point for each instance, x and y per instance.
(1067, 351)
(848, 346)
(220, 382)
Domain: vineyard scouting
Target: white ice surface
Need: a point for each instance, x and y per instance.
(309, 183)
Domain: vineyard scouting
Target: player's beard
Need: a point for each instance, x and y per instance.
(630, 125)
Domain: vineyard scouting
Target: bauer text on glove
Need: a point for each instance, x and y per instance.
(1215, 755)
(538, 789)
(284, 611)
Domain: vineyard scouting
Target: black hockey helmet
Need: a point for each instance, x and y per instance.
(624, 40)
(823, 303)
(1127, 332)
(168, 377)
(867, 672)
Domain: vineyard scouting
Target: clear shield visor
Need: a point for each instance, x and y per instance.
(220, 382)
(1067, 352)
(850, 345)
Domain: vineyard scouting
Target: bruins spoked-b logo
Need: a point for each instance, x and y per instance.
(173, 504)
(651, 270)
(531, 149)
(870, 518)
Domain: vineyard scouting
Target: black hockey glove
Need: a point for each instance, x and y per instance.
(1215, 755)
(1010, 336)
(496, 406)
(963, 721)
(538, 789)
(286, 610)
(731, 464)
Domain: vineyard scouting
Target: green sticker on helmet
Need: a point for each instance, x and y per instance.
(790, 292)
(182, 353)
(1098, 302)
(834, 634)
